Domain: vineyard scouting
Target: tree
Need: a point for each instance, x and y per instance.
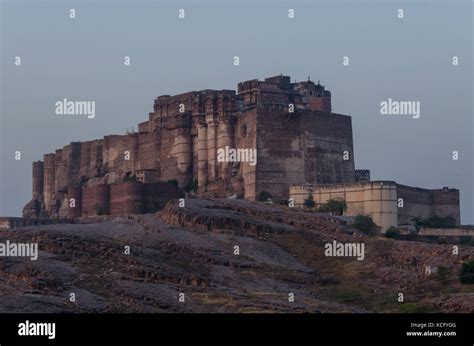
(264, 196)
(309, 202)
(393, 232)
(365, 224)
(335, 206)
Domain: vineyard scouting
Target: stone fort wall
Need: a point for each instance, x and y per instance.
(375, 198)
(304, 147)
(291, 125)
(424, 203)
(380, 199)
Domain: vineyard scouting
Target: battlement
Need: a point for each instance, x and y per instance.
(278, 91)
(362, 175)
(195, 102)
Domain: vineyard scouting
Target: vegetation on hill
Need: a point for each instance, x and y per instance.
(365, 224)
(264, 196)
(335, 206)
(393, 232)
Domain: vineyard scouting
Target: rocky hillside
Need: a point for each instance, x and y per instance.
(192, 250)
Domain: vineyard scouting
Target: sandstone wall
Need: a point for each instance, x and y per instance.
(144, 127)
(117, 149)
(326, 138)
(96, 200)
(91, 158)
(424, 203)
(320, 103)
(49, 180)
(157, 195)
(446, 203)
(134, 197)
(246, 138)
(74, 201)
(175, 147)
(304, 147)
(225, 138)
(38, 178)
(60, 182)
(202, 164)
(380, 199)
(375, 198)
(182, 136)
(147, 158)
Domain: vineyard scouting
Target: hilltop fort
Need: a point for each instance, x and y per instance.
(301, 147)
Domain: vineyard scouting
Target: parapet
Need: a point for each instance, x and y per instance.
(362, 175)
(195, 102)
(278, 91)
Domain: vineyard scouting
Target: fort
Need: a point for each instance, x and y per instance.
(299, 141)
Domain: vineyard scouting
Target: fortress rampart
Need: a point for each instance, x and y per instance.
(375, 198)
(424, 203)
(291, 127)
(389, 203)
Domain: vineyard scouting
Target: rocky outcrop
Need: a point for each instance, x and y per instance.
(192, 250)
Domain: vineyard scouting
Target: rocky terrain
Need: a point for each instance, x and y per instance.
(191, 250)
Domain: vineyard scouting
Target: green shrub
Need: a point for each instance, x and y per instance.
(309, 202)
(466, 273)
(365, 224)
(335, 206)
(264, 196)
(393, 232)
